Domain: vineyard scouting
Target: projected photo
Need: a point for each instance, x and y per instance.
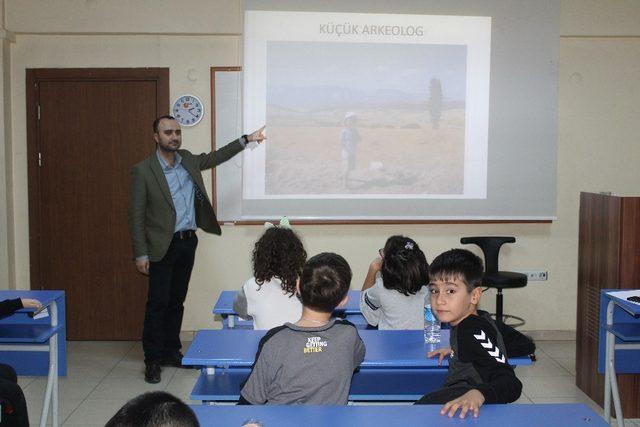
(365, 118)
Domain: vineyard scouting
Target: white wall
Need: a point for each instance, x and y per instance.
(6, 231)
(599, 124)
(124, 16)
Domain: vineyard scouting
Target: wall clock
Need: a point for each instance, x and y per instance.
(187, 110)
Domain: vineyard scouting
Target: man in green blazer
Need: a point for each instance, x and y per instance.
(168, 202)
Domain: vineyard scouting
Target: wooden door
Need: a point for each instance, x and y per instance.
(86, 129)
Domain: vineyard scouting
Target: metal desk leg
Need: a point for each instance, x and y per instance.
(607, 373)
(51, 392)
(209, 370)
(607, 383)
(611, 380)
(616, 395)
(232, 321)
(54, 354)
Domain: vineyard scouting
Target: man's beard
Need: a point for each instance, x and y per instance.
(170, 148)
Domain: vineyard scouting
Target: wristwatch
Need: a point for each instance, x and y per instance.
(244, 139)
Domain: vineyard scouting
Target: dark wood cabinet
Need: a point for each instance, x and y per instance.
(608, 257)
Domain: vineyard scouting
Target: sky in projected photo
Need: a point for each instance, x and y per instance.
(366, 73)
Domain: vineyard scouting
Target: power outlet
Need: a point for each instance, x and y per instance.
(536, 276)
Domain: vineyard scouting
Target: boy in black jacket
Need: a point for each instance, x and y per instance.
(479, 371)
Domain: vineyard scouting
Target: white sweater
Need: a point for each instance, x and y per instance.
(268, 304)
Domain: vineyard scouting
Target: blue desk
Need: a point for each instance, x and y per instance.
(618, 346)
(230, 319)
(34, 363)
(395, 367)
(561, 415)
(31, 345)
(387, 385)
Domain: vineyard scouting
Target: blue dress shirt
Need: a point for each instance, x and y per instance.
(182, 192)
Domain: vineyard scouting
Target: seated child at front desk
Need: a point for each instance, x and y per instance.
(479, 371)
(311, 361)
(269, 296)
(394, 290)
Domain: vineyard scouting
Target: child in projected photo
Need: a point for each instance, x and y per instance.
(349, 137)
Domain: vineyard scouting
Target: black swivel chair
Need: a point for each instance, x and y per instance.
(493, 278)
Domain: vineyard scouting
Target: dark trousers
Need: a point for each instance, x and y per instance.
(14, 406)
(168, 284)
(443, 395)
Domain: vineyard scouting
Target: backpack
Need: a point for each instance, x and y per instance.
(516, 342)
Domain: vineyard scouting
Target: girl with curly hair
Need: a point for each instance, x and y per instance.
(269, 296)
(394, 290)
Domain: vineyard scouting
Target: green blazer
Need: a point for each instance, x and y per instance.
(152, 216)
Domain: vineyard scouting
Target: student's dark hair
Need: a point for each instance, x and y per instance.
(156, 122)
(458, 264)
(324, 281)
(154, 409)
(279, 253)
(404, 266)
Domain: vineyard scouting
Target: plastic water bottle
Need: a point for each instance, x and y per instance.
(431, 324)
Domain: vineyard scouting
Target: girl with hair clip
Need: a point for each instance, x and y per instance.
(269, 296)
(394, 290)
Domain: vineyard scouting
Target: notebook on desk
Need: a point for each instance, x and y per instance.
(631, 295)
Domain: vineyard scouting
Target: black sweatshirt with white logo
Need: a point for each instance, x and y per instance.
(479, 360)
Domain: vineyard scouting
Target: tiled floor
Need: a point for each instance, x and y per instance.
(102, 376)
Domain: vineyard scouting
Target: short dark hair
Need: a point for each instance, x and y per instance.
(458, 264)
(156, 122)
(279, 253)
(324, 281)
(154, 409)
(404, 266)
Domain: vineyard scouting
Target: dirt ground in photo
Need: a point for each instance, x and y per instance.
(404, 154)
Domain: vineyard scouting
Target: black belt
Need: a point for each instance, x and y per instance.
(184, 234)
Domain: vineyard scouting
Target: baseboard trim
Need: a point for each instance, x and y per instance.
(552, 335)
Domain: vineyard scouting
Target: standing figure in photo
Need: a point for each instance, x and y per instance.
(435, 102)
(168, 202)
(349, 137)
